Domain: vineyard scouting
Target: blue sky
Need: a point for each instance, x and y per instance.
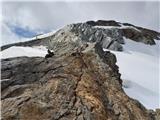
(23, 20)
(22, 32)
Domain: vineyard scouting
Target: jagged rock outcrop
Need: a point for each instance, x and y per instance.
(130, 31)
(76, 85)
(80, 82)
(82, 32)
(109, 33)
(109, 38)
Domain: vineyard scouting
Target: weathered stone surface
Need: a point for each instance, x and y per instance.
(77, 34)
(80, 82)
(110, 38)
(85, 85)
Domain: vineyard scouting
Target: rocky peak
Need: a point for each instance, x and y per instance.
(80, 82)
(83, 33)
(130, 31)
(110, 34)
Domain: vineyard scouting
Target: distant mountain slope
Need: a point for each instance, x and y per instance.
(115, 30)
(35, 41)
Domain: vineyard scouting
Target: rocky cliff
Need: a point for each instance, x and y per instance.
(80, 82)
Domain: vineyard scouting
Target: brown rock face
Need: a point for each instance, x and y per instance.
(77, 85)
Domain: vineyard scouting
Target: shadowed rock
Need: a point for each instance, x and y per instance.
(103, 23)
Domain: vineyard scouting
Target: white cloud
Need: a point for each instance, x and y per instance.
(42, 16)
(8, 36)
(20, 15)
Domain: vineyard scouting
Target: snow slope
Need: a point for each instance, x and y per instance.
(139, 66)
(119, 27)
(36, 51)
(17, 51)
(40, 36)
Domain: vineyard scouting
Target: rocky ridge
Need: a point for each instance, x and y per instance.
(109, 33)
(80, 82)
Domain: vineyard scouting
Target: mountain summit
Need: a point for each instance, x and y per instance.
(82, 80)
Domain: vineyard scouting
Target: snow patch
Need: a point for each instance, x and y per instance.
(40, 36)
(119, 27)
(139, 66)
(18, 51)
